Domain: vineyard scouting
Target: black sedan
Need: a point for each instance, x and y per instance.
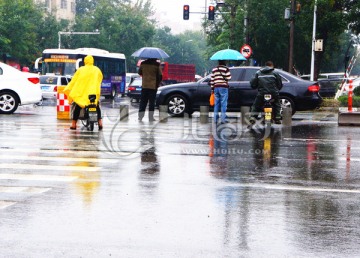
(182, 98)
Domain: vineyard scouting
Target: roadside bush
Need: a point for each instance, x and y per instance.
(330, 102)
(356, 91)
(344, 101)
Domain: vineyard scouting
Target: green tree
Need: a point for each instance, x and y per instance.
(18, 29)
(227, 30)
(330, 26)
(124, 27)
(185, 48)
(25, 36)
(268, 33)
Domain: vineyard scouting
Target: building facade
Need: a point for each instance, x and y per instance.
(62, 9)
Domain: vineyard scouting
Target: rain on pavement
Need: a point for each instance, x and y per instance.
(179, 188)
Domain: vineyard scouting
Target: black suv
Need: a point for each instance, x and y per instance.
(182, 98)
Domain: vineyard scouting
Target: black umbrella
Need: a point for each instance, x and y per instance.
(150, 52)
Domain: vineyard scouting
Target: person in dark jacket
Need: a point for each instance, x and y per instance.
(151, 73)
(267, 81)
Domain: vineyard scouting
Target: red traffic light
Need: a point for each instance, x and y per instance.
(186, 12)
(211, 13)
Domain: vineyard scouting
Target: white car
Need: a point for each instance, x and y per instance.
(17, 88)
(130, 77)
(50, 83)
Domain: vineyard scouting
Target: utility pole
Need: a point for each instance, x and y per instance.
(291, 40)
(313, 45)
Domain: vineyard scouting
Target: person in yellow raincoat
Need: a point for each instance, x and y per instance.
(86, 81)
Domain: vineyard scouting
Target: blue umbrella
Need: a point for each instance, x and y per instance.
(150, 52)
(227, 54)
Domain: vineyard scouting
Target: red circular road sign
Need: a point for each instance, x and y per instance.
(246, 51)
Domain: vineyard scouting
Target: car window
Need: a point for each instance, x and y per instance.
(249, 74)
(305, 77)
(236, 74)
(335, 76)
(206, 79)
(136, 82)
(48, 80)
(64, 81)
(283, 79)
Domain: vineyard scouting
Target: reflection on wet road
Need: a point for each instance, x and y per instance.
(177, 189)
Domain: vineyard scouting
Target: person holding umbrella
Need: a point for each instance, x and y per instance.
(151, 73)
(220, 76)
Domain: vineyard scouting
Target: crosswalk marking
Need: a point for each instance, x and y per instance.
(42, 158)
(47, 167)
(37, 177)
(23, 189)
(5, 204)
(67, 152)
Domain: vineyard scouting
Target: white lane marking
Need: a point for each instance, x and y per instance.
(21, 189)
(5, 204)
(319, 140)
(32, 157)
(12, 189)
(351, 159)
(46, 167)
(37, 177)
(299, 188)
(40, 150)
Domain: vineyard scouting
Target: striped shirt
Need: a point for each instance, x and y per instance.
(220, 76)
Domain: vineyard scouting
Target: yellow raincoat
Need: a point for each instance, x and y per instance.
(86, 81)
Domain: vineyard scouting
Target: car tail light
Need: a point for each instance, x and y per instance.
(131, 88)
(314, 88)
(34, 80)
(55, 88)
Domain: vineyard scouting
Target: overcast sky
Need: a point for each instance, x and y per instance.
(170, 13)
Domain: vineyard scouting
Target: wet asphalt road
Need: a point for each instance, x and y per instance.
(177, 189)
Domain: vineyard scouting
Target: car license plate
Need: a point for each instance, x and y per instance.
(138, 89)
(93, 117)
(45, 87)
(92, 109)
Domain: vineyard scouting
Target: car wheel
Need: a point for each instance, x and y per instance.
(8, 102)
(177, 105)
(286, 102)
(40, 102)
(113, 92)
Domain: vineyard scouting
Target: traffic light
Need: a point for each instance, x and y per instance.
(211, 14)
(186, 12)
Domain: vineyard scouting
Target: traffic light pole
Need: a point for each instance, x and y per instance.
(291, 39)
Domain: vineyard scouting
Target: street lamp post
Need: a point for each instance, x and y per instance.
(313, 44)
(73, 33)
